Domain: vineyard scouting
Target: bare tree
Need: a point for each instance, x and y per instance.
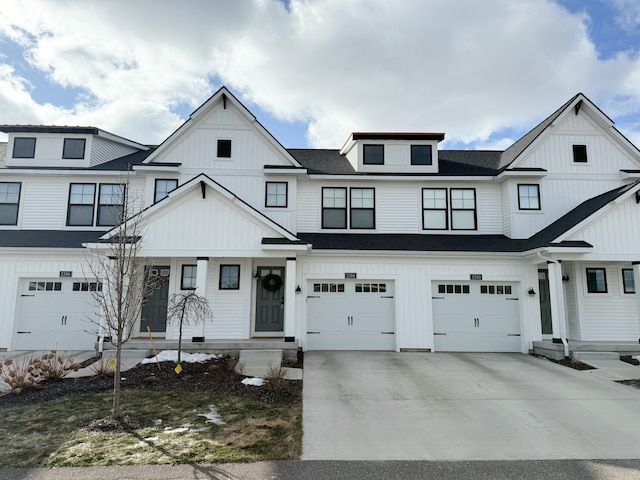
(188, 309)
(125, 279)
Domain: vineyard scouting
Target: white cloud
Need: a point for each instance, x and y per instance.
(464, 67)
(628, 16)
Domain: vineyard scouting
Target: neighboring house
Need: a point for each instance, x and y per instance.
(388, 243)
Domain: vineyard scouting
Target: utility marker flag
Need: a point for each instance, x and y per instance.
(178, 369)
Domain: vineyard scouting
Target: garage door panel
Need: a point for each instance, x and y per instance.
(338, 341)
(476, 343)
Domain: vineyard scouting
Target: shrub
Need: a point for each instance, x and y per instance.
(102, 367)
(276, 376)
(52, 365)
(29, 372)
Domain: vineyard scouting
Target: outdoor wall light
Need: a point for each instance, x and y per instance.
(565, 278)
(255, 275)
(298, 289)
(531, 291)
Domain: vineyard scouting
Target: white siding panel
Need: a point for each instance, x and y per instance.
(44, 203)
(103, 150)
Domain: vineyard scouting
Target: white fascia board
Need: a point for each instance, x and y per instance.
(629, 175)
(419, 253)
(520, 173)
(625, 143)
(124, 141)
(285, 171)
(403, 178)
(30, 172)
(157, 168)
(287, 247)
(42, 251)
(348, 145)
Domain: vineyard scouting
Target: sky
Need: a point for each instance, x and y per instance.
(313, 71)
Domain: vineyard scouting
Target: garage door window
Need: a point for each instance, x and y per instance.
(371, 287)
(328, 287)
(87, 286)
(45, 286)
(495, 289)
(453, 288)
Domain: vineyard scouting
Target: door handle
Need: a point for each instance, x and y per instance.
(476, 322)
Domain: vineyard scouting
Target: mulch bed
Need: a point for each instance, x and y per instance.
(215, 376)
(629, 359)
(568, 362)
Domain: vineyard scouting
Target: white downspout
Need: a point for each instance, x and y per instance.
(561, 322)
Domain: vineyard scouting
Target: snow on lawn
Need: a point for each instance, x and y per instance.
(255, 381)
(212, 416)
(172, 356)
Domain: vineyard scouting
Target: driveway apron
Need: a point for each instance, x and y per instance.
(462, 406)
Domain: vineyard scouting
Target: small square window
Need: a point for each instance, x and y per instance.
(421, 155)
(224, 148)
(276, 194)
(580, 153)
(189, 277)
(73, 148)
(596, 280)
(628, 281)
(163, 187)
(24, 147)
(229, 277)
(529, 197)
(373, 154)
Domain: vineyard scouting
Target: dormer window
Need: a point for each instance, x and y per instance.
(24, 147)
(73, 148)
(373, 154)
(421, 155)
(580, 154)
(224, 149)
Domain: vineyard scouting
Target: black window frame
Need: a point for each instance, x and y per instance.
(17, 140)
(85, 205)
(192, 279)
(275, 195)
(595, 270)
(580, 153)
(223, 148)
(5, 204)
(362, 209)
(366, 154)
(624, 281)
(73, 155)
(99, 221)
(415, 156)
(331, 209)
(474, 209)
(520, 196)
(221, 284)
(155, 188)
(445, 209)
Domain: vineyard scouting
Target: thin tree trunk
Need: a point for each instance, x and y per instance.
(116, 380)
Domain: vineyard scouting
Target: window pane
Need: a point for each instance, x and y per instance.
(8, 214)
(373, 154)
(596, 280)
(229, 277)
(334, 197)
(362, 218)
(529, 197)
(224, 148)
(629, 281)
(334, 218)
(420, 154)
(9, 199)
(80, 215)
(362, 198)
(435, 219)
(24, 147)
(189, 275)
(82, 194)
(434, 198)
(163, 187)
(110, 208)
(73, 148)
(580, 153)
(462, 198)
(463, 220)
(276, 194)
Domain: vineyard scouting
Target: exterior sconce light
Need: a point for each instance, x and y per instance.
(298, 289)
(531, 291)
(565, 278)
(255, 275)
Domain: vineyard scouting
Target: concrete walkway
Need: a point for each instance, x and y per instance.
(446, 406)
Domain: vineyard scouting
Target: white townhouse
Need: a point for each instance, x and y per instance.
(386, 244)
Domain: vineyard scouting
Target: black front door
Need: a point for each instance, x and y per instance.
(154, 310)
(269, 300)
(545, 302)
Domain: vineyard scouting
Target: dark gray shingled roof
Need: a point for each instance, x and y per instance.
(122, 163)
(321, 161)
(47, 238)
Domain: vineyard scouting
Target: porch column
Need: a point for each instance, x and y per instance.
(556, 298)
(636, 283)
(201, 283)
(290, 301)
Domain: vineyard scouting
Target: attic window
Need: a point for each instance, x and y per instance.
(580, 154)
(24, 147)
(73, 148)
(224, 148)
(421, 155)
(373, 154)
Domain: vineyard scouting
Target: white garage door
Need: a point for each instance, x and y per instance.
(350, 315)
(53, 314)
(476, 317)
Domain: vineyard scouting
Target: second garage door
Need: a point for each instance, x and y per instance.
(476, 317)
(350, 315)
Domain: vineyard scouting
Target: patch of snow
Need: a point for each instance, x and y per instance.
(186, 425)
(168, 430)
(158, 422)
(255, 381)
(185, 357)
(152, 439)
(212, 416)
(636, 357)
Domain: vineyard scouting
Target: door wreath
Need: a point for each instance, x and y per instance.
(272, 282)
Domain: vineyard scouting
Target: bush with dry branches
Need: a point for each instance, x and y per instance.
(22, 373)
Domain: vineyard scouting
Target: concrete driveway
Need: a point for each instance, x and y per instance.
(462, 406)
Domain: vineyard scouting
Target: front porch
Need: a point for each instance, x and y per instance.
(577, 348)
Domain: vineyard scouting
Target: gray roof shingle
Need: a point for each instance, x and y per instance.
(47, 238)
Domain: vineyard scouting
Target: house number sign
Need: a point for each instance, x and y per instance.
(65, 273)
(475, 276)
(350, 275)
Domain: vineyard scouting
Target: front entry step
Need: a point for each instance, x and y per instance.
(586, 356)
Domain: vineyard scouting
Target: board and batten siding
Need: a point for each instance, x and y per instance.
(13, 267)
(413, 277)
(573, 324)
(611, 316)
(103, 150)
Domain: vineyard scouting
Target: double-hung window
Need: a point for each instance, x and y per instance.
(81, 203)
(628, 281)
(163, 187)
(434, 209)
(334, 207)
(363, 208)
(24, 147)
(528, 197)
(189, 277)
(276, 194)
(9, 201)
(110, 204)
(463, 209)
(373, 154)
(596, 280)
(73, 148)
